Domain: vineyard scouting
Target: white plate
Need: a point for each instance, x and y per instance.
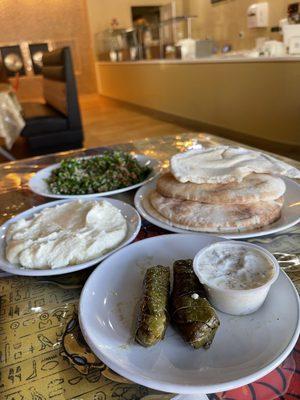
(133, 226)
(39, 185)
(244, 349)
(290, 213)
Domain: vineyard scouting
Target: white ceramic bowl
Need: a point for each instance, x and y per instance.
(38, 183)
(238, 301)
(133, 227)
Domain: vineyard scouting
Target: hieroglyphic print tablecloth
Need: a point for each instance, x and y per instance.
(42, 353)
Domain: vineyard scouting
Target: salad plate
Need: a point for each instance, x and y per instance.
(38, 183)
(244, 349)
(131, 216)
(290, 213)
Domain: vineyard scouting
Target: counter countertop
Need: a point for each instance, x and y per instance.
(208, 60)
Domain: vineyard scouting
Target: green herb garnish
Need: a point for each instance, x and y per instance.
(110, 171)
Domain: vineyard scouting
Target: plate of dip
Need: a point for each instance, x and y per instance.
(290, 213)
(245, 348)
(38, 183)
(66, 236)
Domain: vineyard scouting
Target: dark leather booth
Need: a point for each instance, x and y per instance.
(54, 125)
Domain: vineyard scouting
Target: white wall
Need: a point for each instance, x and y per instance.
(224, 21)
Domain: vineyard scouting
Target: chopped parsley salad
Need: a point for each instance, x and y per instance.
(109, 171)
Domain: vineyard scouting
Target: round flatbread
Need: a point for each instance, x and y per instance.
(223, 164)
(253, 188)
(215, 218)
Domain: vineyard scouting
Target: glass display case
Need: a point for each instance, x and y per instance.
(143, 40)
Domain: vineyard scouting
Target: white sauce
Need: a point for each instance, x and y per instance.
(234, 266)
(66, 234)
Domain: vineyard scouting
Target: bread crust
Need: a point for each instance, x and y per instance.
(253, 188)
(215, 218)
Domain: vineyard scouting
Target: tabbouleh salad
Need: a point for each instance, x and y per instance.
(110, 171)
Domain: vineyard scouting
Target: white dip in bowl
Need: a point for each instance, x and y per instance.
(67, 234)
(237, 275)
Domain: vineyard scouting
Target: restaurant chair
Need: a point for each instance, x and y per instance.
(55, 124)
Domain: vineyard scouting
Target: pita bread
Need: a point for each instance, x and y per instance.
(253, 188)
(223, 164)
(215, 218)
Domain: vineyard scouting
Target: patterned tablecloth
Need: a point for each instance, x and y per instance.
(42, 352)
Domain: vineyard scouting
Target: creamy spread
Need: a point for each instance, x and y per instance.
(66, 234)
(234, 266)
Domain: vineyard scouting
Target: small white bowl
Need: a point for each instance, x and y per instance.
(238, 301)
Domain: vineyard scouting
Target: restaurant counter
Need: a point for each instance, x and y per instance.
(251, 96)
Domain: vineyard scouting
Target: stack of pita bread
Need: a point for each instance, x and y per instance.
(220, 189)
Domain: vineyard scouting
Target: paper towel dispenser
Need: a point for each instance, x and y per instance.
(258, 15)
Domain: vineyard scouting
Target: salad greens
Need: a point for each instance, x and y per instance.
(109, 171)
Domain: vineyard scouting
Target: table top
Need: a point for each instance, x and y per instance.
(42, 352)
